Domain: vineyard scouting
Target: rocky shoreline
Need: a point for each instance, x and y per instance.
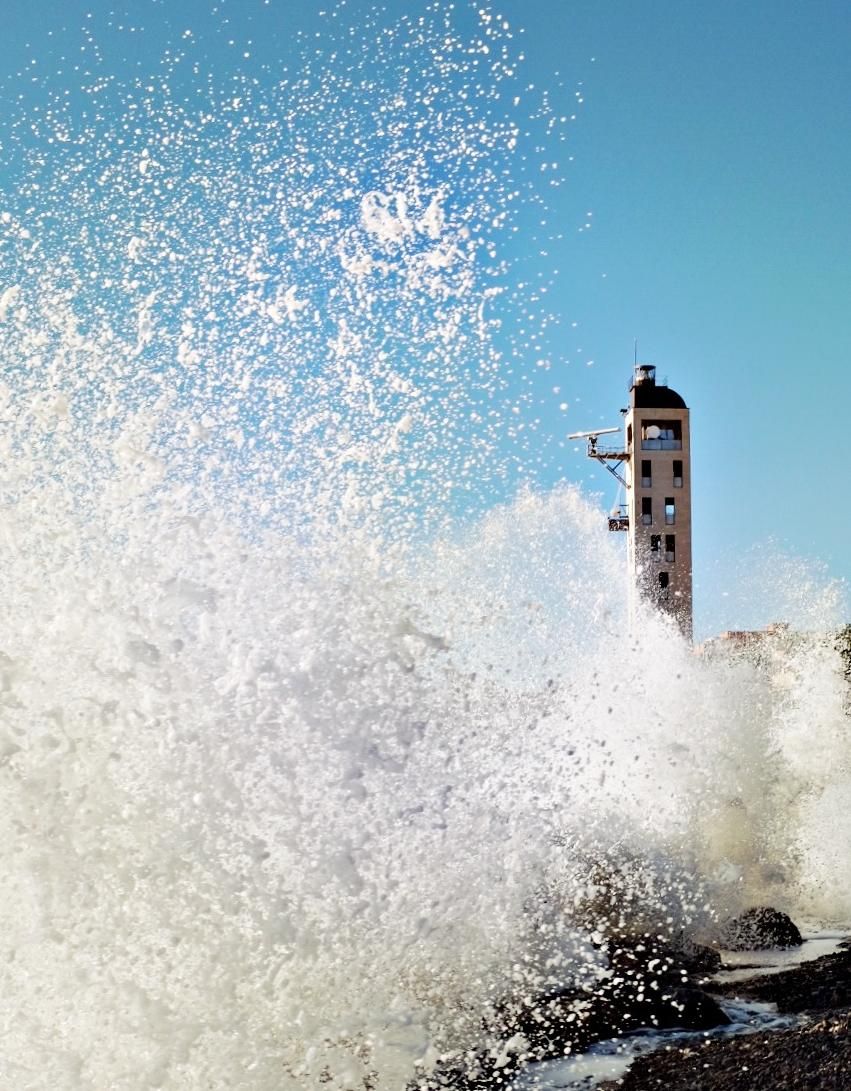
(815, 1055)
(664, 983)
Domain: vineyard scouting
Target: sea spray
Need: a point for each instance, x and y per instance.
(302, 288)
(306, 764)
(271, 816)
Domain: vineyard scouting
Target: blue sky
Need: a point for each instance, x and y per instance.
(711, 150)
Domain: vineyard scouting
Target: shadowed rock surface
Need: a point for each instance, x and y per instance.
(758, 929)
(813, 1057)
(815, 986)
(683, 959)
(816, 1057)
(561, 1023)
(651, 985)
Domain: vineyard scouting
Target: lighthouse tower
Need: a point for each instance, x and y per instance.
(658, 481)
(654, 466)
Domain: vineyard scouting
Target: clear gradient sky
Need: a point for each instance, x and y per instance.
(711, 153)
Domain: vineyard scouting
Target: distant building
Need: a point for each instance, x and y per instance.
(732, 640)
(654, 467)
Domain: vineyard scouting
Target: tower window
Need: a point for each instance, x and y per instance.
(646, 510)
(655, 543)
(664, 584)
(670, 547)
(670, 511)
(661, 435)
(646, 474)
(678, 473)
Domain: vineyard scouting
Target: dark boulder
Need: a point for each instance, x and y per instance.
(563, 1022)
(652, 1002)
(691, 1008)
(758, 929)
(700, 960)
(674, 960)
(650, 984)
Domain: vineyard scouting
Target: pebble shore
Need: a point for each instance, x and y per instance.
(812, 1056)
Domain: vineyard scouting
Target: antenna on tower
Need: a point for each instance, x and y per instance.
(635, 351)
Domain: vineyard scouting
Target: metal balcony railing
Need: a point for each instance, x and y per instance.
(597, 451)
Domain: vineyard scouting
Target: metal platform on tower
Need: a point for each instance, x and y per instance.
(604, 455)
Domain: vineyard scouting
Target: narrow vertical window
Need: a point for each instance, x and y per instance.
(655, 543)
(670, 547)
(646, 510)
(670, 511)
(646, 474)
(678, 473)
(664, 584)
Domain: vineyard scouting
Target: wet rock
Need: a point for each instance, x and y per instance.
(648, 986)
(651, 984)
(758, 929)
(674, 959)
(815, 1057)
(691, 1008)
(563, 1022)
(700, 960)
(815, 986)
(477, 1072)
(686, 1007)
